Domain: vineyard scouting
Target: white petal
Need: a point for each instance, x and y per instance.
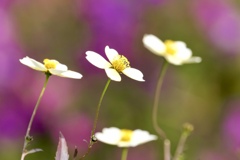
(66, 74)
(124, 144)
(194, 60)
(33, 64)
(61, 67)
(111, 53)
(180, 44)
(97, 60)
(56, 72)
(183, 53)
(140, 137)
(113, 74)
(134, 74)
(109, 135)
(62, 149)
(174, 60)
(154, 44)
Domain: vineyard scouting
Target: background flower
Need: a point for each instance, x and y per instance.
(175, 52)
(124, 137)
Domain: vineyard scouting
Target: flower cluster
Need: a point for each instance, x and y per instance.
(175, 52)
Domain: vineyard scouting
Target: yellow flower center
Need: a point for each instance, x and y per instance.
(171, 47)
(126, 135)
(50, 64)
(120, 63)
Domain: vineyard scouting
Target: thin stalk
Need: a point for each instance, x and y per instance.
(98, 107)
(167, 152)
(124, 154)
(29, 138)
(156, 101)
(92, 138)
(180, 146)
(187, 129)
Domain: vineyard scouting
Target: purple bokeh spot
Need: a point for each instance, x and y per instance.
(231, 126)
(113, 23)
(212, 155)
(75, 129)
(221, 23)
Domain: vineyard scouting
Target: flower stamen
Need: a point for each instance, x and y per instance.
(120, 63)
(171, 47)
(50, 64)
(126, 135)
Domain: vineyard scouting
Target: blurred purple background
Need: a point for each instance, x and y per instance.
(206, 94)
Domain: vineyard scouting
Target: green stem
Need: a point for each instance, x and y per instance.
(92, 138)
(124, 154)
(187, 129)
(156, 101)
(29, 138)
(181, 145)
(98, 107)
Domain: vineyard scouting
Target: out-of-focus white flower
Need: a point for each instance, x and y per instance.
(124, 137)
(51, 66)
(175, 52)
(118, 64)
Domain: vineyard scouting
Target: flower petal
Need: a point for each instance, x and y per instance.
(124, 144)
(33, 64)
(154, 44)
(140, 137)
(180, 45)
(113, 74)
(183, 54)
(56, 72)
(61, 67)
(109, 135)
(134, 74)
(67, 74)
(194, 60)
(111, 53)
(174, 60)
(97, 60)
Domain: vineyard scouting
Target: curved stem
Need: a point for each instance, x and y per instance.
(156, 101)
(98, 107)
(29, 138)
(124, 154)
(92, 138)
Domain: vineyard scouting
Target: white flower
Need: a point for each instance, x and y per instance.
(175, 52)
(124, 137)
(118, 64)
(51, 66)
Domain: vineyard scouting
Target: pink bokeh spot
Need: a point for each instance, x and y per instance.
(231, 127)
(76, 129)
(221, 23)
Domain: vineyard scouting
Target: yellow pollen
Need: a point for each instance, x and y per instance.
(120, 63)
(50, 64)
(171, 47)
(126, 135)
